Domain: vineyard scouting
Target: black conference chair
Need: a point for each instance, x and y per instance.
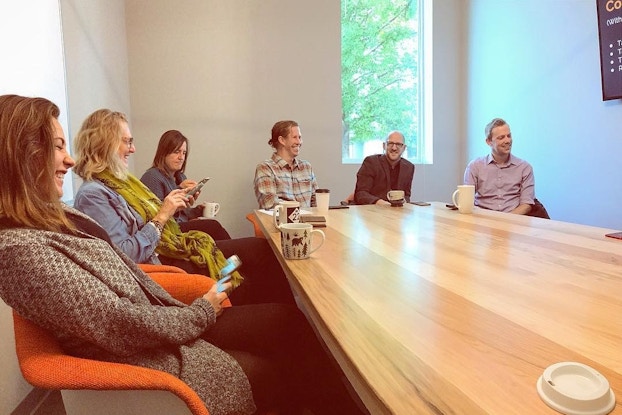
(538, 210)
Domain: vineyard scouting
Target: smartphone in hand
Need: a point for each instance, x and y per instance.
(198, 187)
(233, 264)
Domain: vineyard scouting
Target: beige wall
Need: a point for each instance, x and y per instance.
(224, 72)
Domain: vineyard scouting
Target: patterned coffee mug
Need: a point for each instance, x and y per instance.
(297, 240)
(287, 211)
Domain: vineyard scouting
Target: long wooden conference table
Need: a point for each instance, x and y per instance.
(430, 311)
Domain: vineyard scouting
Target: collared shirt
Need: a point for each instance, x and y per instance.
(501, 187)
(276, 181)
(395, 175)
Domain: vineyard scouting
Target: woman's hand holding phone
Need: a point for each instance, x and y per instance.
(233, 264)
(218, 293)
(195, 190)
(216, 297)
(173, 202)
(188, 183)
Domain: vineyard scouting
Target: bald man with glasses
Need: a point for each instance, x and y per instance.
(383, 172)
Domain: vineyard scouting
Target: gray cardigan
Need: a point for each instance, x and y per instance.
(89, 295)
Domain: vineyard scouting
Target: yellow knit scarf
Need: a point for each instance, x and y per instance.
(195, 246)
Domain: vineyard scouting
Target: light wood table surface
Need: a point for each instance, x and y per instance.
(430, 311)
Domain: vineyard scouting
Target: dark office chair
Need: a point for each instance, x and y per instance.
(349, 200)
(538, 210)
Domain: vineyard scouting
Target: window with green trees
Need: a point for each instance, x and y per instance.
(382, 77)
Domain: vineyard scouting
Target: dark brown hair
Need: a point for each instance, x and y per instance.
(170, 142)
(28, 193)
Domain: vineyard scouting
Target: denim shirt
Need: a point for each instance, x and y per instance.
(124, 225)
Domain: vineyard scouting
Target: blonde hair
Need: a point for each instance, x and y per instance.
(97, 145)
(28, 193)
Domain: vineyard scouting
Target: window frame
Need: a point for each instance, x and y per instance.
(424, 144)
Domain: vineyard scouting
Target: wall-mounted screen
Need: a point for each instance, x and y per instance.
(610, 37)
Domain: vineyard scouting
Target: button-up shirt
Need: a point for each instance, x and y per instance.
(501, 187)
(276, 181)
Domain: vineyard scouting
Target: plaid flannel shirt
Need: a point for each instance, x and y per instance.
(276, 181)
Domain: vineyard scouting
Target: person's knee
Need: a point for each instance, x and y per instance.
(284, 316)
(264, 378)
(250, 249)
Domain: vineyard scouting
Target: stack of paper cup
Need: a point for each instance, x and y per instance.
(322, 200)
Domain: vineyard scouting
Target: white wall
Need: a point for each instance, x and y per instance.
(437, 182)
(96, 59)
(32, 65)
(224, 72)
(536, 64)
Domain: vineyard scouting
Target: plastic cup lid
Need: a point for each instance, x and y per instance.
(575, 389)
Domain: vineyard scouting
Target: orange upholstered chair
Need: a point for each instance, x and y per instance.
(253, 219)
(96, 387)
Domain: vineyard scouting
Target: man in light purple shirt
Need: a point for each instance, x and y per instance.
(502, 181)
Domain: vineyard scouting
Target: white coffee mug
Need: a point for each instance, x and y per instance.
(322, 200)
(211, 209)
(288, 211)
(297, 240)
(464, 198)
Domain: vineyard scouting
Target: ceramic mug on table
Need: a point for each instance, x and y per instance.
(297, 240)
(211, 209)
(395, 197)
(288, 211)
(464, 198)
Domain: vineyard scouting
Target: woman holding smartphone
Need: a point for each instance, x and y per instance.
(60, 270)
(167, 173)
(144, 227)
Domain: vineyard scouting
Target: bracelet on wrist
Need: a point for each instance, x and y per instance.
(159, 227)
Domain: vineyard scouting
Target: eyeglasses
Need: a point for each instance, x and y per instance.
(128, 141)
(392, 143)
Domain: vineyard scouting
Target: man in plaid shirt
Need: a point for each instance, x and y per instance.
(284, 176)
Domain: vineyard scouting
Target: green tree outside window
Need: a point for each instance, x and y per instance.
(380, 76)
